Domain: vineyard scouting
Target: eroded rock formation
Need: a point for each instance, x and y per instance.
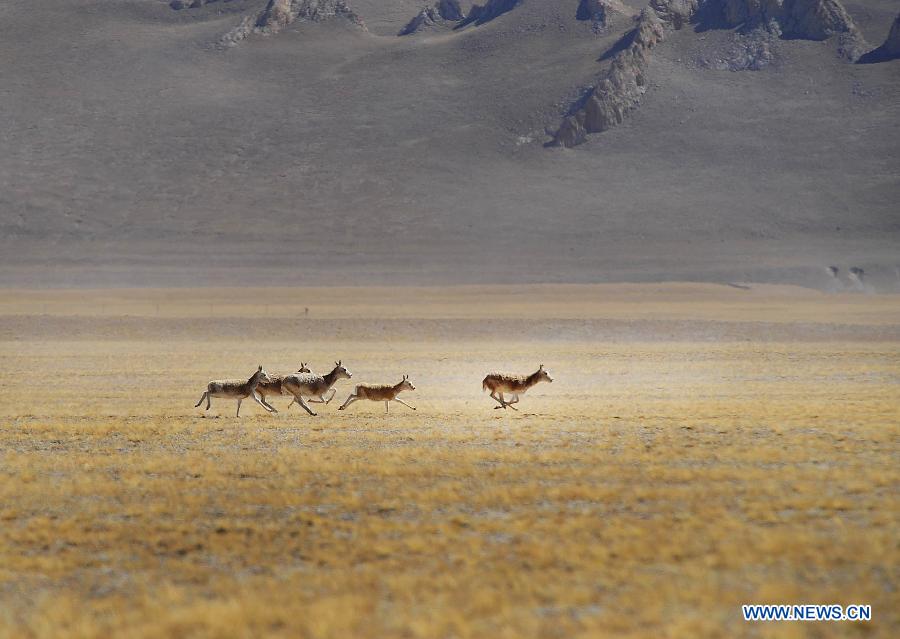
(751, 50)
(675, 13)
(442, 12)
(812, 19)
(280, 13)
(620, 89)
(600, 12)
(806, 19)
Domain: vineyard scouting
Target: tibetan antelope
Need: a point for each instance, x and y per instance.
(499, 383)
(302, 385)
(273, 387)
(237, 389)
(381, 393)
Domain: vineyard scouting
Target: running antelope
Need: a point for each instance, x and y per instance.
(302, 385)
(381, 393)
(499, 383)
(237, 389)
(274, 387)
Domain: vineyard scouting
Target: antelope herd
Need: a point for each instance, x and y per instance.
(306, 384)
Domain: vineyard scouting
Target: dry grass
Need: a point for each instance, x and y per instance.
(648, 492)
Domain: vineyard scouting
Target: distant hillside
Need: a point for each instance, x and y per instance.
(308, 142)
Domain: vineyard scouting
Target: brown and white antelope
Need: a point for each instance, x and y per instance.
(499, 383)
(237, 389)
(302, 385)
(274, 386)
(381, 393)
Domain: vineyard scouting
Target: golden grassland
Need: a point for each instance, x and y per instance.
(649, 491)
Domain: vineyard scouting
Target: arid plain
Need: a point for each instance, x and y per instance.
(701, 447)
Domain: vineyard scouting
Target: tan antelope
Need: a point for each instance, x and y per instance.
(499, 383)
(381, 393)
(302, 385)
(237, 389)
(273, 387)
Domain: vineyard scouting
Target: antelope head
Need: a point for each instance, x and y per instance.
(406, 384)
(341, 372)
(542, 375)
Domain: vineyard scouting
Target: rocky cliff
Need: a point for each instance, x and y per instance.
(621, 87)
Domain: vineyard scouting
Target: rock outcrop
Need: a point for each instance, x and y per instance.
(196, 4)
(806, 19)
(599, 12)
(811, 19)
(752, 50)
(675, 13)
(441, 13)
(620, 89)
(280, 13)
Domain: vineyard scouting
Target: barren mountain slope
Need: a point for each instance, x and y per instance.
(137, 149)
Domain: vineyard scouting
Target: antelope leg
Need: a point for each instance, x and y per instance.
(303, 405)
(262, 402)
